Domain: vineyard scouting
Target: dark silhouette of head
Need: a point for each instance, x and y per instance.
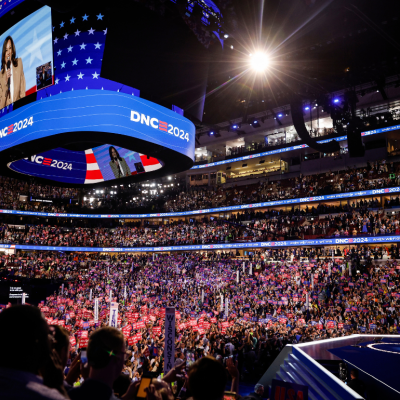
(25, 336)
(207, 379)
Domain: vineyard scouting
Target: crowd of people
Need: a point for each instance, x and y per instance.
(235, 312)
(16, 194)
(129, 199)
(283, 226)
(233, 315)
(373, 176)
(246, 226)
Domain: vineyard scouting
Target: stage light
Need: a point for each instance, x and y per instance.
(280, 115)
(232, 46)
(214, 133)
(307, 108)
(226, 36)
(169, 178)
(336, 100)
(259, 61)
(255, 124)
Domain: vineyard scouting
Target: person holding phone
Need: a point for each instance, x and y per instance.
(144, 386)
(12, 78)
(106, 357)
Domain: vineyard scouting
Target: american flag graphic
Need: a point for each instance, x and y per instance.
(79, 39)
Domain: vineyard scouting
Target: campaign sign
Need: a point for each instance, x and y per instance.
(281, 390)
(169, 350)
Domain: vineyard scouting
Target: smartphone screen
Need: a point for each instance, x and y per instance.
(189, 359)
(229, 396)
(83, 356)
(144, 383)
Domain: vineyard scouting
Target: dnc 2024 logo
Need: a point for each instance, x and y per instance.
(160, 125)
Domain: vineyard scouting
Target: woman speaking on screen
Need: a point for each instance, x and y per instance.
(12, 78)
(118, 165)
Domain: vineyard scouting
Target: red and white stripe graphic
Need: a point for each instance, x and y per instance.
(150, 164)
(93, 173)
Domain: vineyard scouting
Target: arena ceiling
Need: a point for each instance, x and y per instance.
(317, 46)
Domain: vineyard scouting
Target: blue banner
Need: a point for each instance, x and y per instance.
(98, 111)
(336, 196)
(291, 148)
(222, 246)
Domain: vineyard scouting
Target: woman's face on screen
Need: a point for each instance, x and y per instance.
(113, 153)
(8, 50)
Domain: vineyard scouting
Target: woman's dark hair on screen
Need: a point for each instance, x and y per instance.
(111, 157)
(14, 58)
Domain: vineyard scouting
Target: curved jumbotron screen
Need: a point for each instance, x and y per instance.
(95, 136)
(99, 164)
(62, 122)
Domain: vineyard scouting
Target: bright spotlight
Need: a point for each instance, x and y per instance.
(226, 36)
(259, 61)
(336, 100)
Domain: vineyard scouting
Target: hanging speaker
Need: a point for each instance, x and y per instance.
(298, 121)
(355, 144)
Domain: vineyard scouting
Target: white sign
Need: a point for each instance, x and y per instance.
(90, 295)
(169, 345)
(96, 311)
(113, 315)
(23, 298)
(226, 308)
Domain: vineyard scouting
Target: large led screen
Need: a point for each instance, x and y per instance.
(99, 164)
(27, 57)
